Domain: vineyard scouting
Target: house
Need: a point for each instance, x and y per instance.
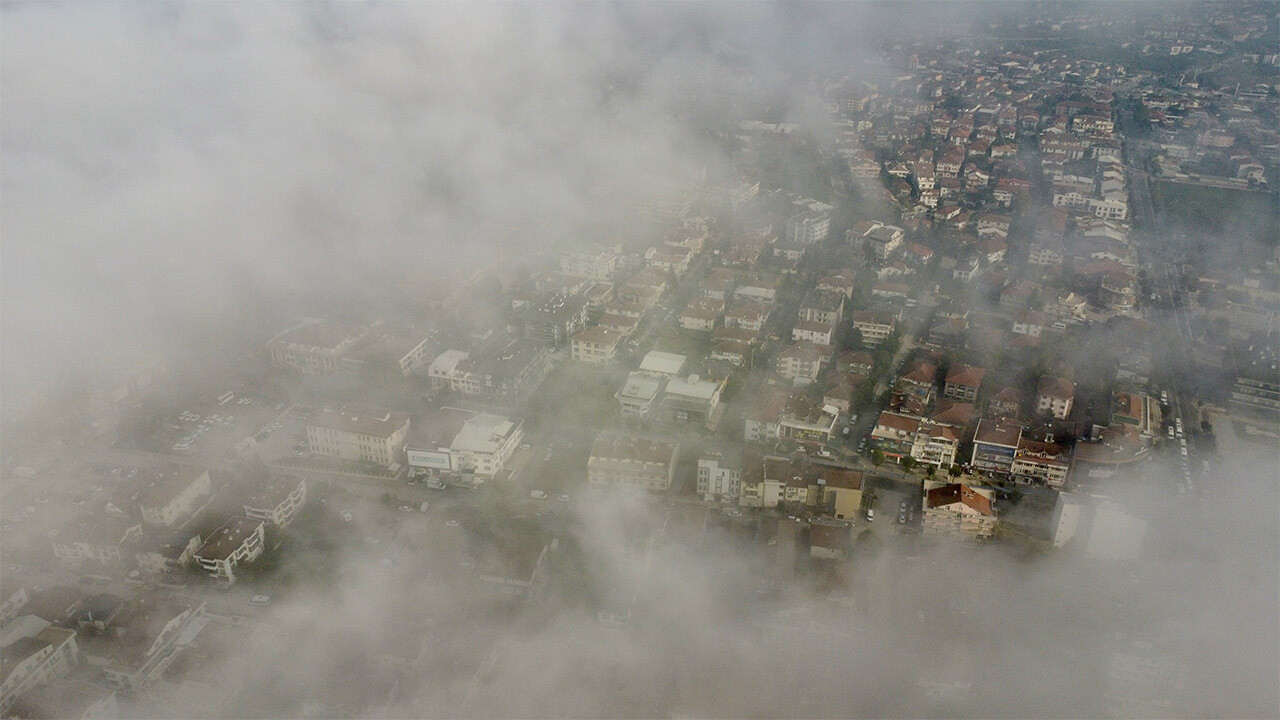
(918, 254)
(1054, 396)
(735, 352)
(238, 541)
(841, 283)
(171, 493)
(595, 345)
(963, 382)
(639, 392)
(966, 269)
(1069, 307)
(763, 291)
(503, 369)
(994, 445)
(747, 314)
(674, 260)
(958, 510)
(718, 284)
(692, 399)
(167, 552)
(1040, 463)
(890, 290)
(630, 461)
(884, 240)
(150, 633)
(278, 501)
(37, 655)
(373, 436)
(829, 540)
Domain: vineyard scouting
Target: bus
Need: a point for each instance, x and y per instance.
(225, 397)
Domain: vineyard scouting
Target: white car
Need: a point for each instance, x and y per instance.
(260, 600)
(451, 523)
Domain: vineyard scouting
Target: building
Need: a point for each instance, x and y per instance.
(485, 444)
(68, 697)
(822, 306)
(994, 445)
(720, 476)
(662, 363)
(503, 370)
(804, 421)
(103, 538)
(691, 399)
(874, 326)
(171, 493)
(1101, 528)
(599, 266)
(150, 633)
(1040, 463)
(372, 436)
(701, 314)
(936, 444)
(554, 319)
(638, 393)
(958, 510)
(239, 540)
(814, 332)
(35, 659)
(810, 226)
(884, 240)
(630, 461)
(963, 383)
(596, 345)
(1055, 396)
(278, 501)
(895, 434)
(315, 347)
(802, 363)
(763, 415)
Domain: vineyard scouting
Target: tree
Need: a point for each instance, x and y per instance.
(877, 458)
(908, 462)
(955, 471)
(930, 471)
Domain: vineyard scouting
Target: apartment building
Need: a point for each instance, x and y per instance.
(554, 319)
(374, 436)
(599, 266)
(958, 510)
(691, 399)
(278, 501)
(171, 493)
(720, 476)
(631, 461)
(963, 383)
(504, 369)
(314, 346)
(874, 325)
(802, 363)
(34, 658)
(639, 393)
(994, 445)
(596, 345)
(239, 540)
(151, 631)
(1041, 463)
(102, 538)
(1055, 396)
(485, 443)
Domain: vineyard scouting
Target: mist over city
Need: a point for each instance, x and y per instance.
(639, 360)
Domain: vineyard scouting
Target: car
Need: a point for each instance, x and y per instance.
(78, 502)
(42, 499)
(564, 498)
(406, 508)
(451, 523)
(538, 495)
(370, 540)
(871, 514)
(902, 518)
(296, 452)
(115, 472)
(260, 600)
(346, 515)
(525, 446)
(902, 506)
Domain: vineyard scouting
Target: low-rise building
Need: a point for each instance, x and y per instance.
(504, 369)
(239, 540)
(102, 538)
(720, 475)
(32, 660)
(814, 331)
(485, 444)
(936, 443)
(1055, 397)
(555, 319)
(994, 445)
(958, 510)
(596, 345)
(895, 434)
(656, 362)
(630, 461)
(638, 394)
(278, 501)
(802, 363)
(875, 326)
(963, 382)
(151, 631)
(374, 436)
(171, 493)
(692, 399)
(1041, 463)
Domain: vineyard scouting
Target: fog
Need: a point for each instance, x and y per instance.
(191, 178)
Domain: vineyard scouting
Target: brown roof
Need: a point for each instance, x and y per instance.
(1041, 451)
(995, 432)
(373, 424)
(967, 375)
(616, 446)
(922, 373)
(895, 421)
(954, 412)
(1057, 387)
(958, 493)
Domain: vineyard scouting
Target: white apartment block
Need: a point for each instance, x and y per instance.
(35, 659)
(485, 444)
(630, 461)
(170, 493)
(239, 540)
(719, 479)
(596, 345)
(278, 501)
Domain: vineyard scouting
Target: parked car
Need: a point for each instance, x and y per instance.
(538, 495)
(260, 600)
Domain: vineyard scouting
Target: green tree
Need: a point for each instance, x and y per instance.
(930, 471)
(954, 471)
(908, 463)
(877, 458)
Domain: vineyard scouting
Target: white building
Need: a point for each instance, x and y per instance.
(630, 461)
(595, 345)
(662, 363)
(375, 437)
(41, 654)
(1100, 527)
(638, 393)
(485, 443)
(719, 477)
(171, 493)
(152, 631)
(958, 510)
(691, 399)
(278, 501)
(239, 540)
(1055, 396)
